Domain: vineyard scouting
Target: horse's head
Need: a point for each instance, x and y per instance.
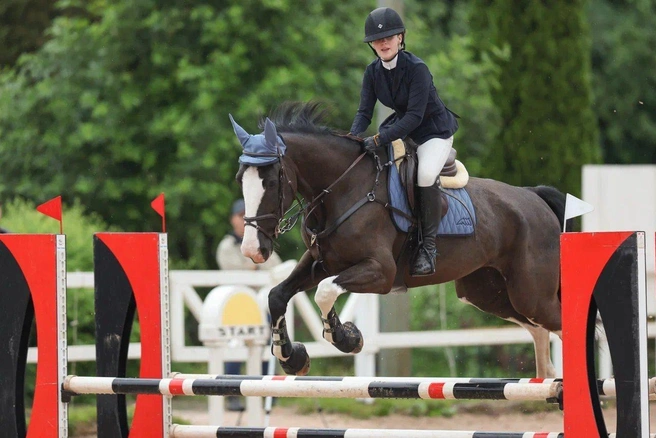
(268, 191)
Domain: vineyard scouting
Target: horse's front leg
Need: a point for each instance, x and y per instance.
(368, 276)
(293, 357)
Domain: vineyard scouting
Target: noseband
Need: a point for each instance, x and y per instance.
(283, 225)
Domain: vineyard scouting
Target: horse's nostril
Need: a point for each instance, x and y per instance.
(265, 253)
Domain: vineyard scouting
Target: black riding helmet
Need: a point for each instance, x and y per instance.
(381, 23)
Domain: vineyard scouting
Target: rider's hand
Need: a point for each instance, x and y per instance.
(371, 143)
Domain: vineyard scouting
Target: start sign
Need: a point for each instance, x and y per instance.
(233, 313)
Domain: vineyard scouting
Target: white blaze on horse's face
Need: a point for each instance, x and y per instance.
(253, 191)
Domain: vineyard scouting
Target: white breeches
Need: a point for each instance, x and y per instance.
(431, 157)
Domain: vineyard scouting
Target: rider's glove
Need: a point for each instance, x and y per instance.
(371, 143)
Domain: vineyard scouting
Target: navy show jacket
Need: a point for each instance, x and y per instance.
(408, 89)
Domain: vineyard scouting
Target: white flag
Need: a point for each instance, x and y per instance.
(575, 207)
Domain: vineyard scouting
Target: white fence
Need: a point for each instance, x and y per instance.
(362, 309)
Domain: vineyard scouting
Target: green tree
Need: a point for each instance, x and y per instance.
(548, 129)
(22, 27)
(129, 99)
(623, 62)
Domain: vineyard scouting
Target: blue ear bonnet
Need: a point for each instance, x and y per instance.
(258, 153)
(260, 149)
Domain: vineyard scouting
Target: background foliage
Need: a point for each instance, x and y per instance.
(624, 35)
(547, 127)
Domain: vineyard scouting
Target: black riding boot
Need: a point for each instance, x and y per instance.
(430, 204)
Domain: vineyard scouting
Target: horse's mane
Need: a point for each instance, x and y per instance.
(304, 117)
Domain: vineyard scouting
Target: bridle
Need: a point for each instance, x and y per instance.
(283, 225)
(286, 224)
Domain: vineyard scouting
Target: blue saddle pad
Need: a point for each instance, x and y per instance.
(460, 220)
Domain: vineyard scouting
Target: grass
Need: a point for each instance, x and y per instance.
(82, 420)
(363, 410)
(82, 417)
(411, 407)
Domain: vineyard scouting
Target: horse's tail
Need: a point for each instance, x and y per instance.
(555, 199)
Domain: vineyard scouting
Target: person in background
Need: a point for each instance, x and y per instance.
(229, 257)
(2, 230)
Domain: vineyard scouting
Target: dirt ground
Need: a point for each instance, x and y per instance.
(488, 418)
(288, 417)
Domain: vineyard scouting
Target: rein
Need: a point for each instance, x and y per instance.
(286, 224)
(369, 197)
(315, 202)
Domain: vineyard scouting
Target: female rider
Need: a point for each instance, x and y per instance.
(401, 81)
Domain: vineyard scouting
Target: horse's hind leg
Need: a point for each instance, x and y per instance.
(543, 364)
(368, 276)
(486, 290)
(533, 287)
(533, 282)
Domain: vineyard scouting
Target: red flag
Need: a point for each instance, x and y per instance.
(158, 204)
(53, 209)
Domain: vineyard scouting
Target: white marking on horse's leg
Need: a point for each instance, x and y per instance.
(327, 293)
(277, 349)
(543, 365)
(253, 193)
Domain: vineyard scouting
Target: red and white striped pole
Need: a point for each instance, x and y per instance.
(179, 431)
(373, 388)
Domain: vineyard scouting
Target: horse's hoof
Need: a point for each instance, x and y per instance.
(298, 363)
(354, 340)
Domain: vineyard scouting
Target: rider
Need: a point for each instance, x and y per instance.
(401, 81)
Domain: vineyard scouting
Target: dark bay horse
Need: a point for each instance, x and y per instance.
(509, 267)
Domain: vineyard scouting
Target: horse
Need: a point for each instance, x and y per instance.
(509, 266)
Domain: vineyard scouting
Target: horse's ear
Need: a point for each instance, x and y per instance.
(270, 134)
(241, 133)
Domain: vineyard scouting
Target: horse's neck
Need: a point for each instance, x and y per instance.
(318, 166)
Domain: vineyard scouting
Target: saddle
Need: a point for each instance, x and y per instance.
(458, 215)
(453, 175)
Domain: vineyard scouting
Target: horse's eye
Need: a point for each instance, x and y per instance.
(271, 184)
